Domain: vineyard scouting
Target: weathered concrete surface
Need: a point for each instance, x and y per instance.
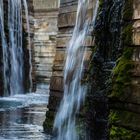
(45, 31)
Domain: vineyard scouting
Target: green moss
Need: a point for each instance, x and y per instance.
(80, 127)
(120, 133)
(127, 35)
(101, 3)
(124, 123)
(124, 118)
(122, 73)
(118, 120)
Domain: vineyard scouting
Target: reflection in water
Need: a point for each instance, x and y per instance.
(21, 118)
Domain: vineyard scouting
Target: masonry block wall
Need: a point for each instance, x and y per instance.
(45, 31)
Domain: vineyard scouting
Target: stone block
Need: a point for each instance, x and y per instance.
(136, 70)
(45, 31)
(136, 33)
(45, 4)
(63, 41)
(66, 19)
(136, 8)
(136, 54)
(56, 84)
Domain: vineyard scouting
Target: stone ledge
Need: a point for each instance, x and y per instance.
(45, 10)
(114, 103)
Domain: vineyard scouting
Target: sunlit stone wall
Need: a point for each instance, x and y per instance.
(45, 31)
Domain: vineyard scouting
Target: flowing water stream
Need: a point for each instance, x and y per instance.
(74, 91)
(12, 47)
(21, 115)
(5, 48)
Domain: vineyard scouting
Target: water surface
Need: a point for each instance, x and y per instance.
(21, 117)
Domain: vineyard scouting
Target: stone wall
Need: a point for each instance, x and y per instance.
(115, 70)
(28, 44)
(125, 104)
(66, 22)
(45, 31)
(113, 98)
(106, 50)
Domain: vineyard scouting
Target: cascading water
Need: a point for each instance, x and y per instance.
(74, 91)
(12, 48)
(5, 50)
(15, 46)
(29, 43)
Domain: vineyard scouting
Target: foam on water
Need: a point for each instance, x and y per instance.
(23, 100)
(23, 117)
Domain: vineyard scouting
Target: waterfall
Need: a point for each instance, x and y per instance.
(12, 47)
(15, 46)
(74, 91)
(5, 49)
(29, 42)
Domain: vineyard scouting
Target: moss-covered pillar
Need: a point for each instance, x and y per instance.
(125, 95)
